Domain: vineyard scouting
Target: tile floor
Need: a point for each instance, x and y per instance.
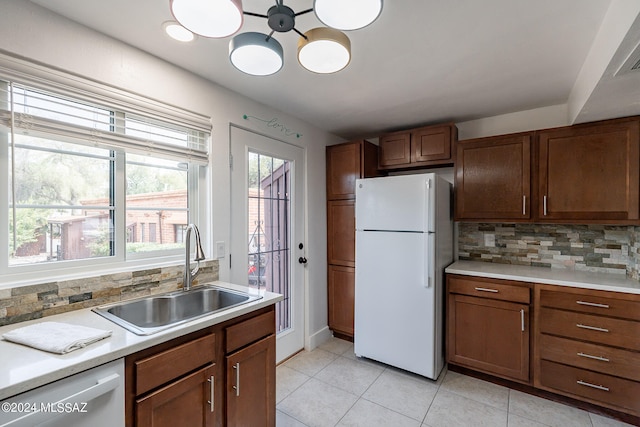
(329, 386)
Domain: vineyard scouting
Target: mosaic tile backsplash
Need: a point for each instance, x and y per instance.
(46, 299)
(594, 248)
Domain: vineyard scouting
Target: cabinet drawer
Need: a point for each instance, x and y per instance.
(600, 358)
(591, 302)
(250, 330)
(494, 289)
(597, 387)
(160, 368)
(588, 327)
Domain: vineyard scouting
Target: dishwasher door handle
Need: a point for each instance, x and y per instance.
(103, 386)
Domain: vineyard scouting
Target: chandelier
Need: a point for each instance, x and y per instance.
(320, 50)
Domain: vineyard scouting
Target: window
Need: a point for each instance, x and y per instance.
(89, 181)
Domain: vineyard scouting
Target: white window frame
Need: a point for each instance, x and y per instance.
(54, 81)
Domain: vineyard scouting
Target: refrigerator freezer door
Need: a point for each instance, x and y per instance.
(395, 312)
(398, 203)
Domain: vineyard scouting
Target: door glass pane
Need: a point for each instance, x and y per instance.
(269, 228)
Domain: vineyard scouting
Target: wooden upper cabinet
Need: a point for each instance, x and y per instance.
(426, 146)
(590, 172)
(346, 163)
(431, 144)
(493, 178)
(395, 149)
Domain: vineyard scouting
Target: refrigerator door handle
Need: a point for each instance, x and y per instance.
(429, 256)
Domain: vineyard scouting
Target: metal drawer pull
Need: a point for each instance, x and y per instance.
(522, 319)
(599, 387)
(588, 356)
(487, 290)
(237, 386)
(592, 328)
(524, 205)
(212, 382)
(544, 204)
(592, 304)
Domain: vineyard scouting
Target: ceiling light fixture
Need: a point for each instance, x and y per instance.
(255, 54)
(178, 32)
(324, 50)
(320, 50)
(347, 15)
(209, 18)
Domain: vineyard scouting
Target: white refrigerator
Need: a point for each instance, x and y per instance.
(404, 240)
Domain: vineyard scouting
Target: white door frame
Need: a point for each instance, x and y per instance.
(298, 234)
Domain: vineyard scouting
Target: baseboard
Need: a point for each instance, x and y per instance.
(318, 338)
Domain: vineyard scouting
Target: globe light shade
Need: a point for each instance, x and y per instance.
(256, 54)
(209, 18)
(347, 15)
(324, 51)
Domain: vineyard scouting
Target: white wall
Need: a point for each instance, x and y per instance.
(521, 121)
(36, 34)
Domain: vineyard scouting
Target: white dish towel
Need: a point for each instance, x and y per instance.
(56, 337)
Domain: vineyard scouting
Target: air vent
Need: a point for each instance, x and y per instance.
(632, 63)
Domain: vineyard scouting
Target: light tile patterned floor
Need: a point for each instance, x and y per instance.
(331, 387)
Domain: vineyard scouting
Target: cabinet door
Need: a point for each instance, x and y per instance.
(186, 402)
(251, 385)
(493, 178)
(341, 287)
(395, 150)
(590, 172)
(432, 144)
(489, 335)
(341, 232)
(343, 168)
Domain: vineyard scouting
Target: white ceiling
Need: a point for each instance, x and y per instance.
(421, 62)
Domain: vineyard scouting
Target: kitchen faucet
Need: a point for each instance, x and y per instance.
(189, 274)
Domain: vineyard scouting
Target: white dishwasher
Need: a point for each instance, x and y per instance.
(92, 398)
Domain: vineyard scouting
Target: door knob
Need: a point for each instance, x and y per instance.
(302, 260)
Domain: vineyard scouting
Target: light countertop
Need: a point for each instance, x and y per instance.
(23, 368)
(549, 276)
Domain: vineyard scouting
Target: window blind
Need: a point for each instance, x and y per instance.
(41, 111)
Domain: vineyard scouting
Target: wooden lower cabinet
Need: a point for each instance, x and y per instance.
(585, 343)
(185, 402)
(486, 333)
(251, 394)
(342, 293)
(223, 375)
(588, 346)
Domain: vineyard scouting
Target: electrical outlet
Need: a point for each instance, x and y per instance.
(220, 249)
(490, 240)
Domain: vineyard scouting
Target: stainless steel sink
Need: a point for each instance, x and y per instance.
(148, 315)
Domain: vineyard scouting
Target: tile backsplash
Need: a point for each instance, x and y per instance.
(45, 299)
(594, 248)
